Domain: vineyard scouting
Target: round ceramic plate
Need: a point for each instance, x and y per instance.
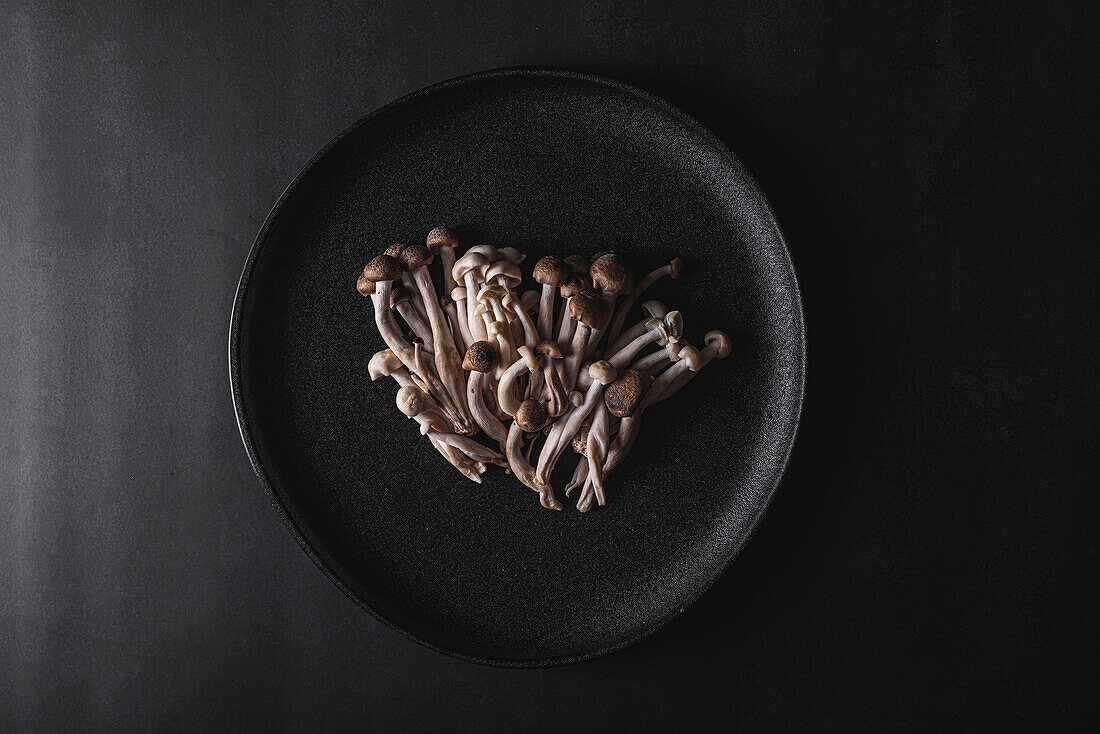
(550, 162)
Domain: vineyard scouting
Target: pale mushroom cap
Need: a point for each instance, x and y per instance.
(458, 293)
(415, 257)
(481, 357)
(550, 270)
(491, 291)
(489, 252)
(674, 325)
(412, 401)
(511, 254)
(612, 274)
(383, 364)
(530, 300)
(383, 267)
(505, 273)
(690, 356)
(470, 261)
(719, 342)
(655, 309)
(550, 348)
(675, 268)
(590, 308)
(440, 237)
(623, 395)
(602, 372)
(531, 415)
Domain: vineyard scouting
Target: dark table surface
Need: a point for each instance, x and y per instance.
(929, 559)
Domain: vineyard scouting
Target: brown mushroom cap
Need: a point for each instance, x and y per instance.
(623, 395)
(531, 415)
(578, 263)
(675, 268)
(383, 267)
(364, 285)
(441, 237)
(398, 294)
(612, 273)
(551, 271)
(481, 357)
(415, 257)
(590, 308)
(574, 284)
(395, 249)
(550, 348)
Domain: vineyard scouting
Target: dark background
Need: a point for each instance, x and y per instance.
(930, 558)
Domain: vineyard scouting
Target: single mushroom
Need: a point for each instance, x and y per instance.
(448, 365)
(400, 302)
(549, 354)
(519, 463)
(590, 311)
(653, 310)
(491, 296)
(620, 399)
(614, 277)
(443, 241)
(481, 358)
(602, 373)
(551, 273)
(574, 284)
(673, 270)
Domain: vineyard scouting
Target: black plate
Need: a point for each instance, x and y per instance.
(550, 162)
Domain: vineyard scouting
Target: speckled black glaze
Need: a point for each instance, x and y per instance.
(550, 162)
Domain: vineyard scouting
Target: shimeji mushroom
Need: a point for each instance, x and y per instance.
(614, 277)
(652, 309)
(458, 297)
(549, 353)
(529, 414)
(453, 320)
(561, 434)
(652, 363)
(664, 386)
(444, 241)
(448, 365)
(507, 398)
(551, 273)
(399, 301)
(385, 363)
(590, 310)
(394, 251)
(480, 358)
(574, 284)
(673, 269)
(490, 295)
(415, 403)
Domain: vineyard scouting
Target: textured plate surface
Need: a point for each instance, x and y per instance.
(549, 162)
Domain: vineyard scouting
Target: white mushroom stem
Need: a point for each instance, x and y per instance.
(567, 326)
(488, 422)
(447, 255)
(507, 398)
(490, 294)
(470, 469)
(655, 331)
(546, 311)
(452, 320)
(623, 310)
(447, 362)
(417, 323)
(653, 310)
(458, 295)
(580, 476)
(556, 394)
(477, 328)
(574, 355)
(414, 295)
(652, 363)
(523, 469)
(598, 444)
(530, 332)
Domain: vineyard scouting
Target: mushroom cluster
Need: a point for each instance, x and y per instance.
(555, 367)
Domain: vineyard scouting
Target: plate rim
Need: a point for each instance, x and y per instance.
(269, 487)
